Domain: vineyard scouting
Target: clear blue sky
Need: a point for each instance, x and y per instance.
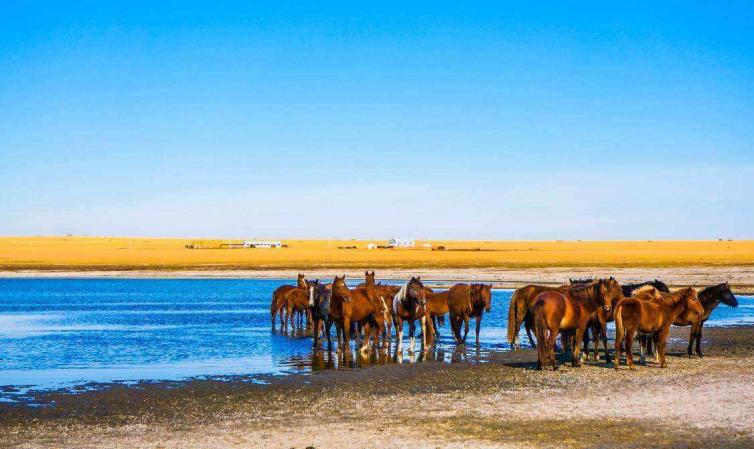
(456, 120)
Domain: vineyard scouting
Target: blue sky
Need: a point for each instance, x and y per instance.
(431, 120)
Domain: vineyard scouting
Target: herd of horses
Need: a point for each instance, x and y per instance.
(577, 312)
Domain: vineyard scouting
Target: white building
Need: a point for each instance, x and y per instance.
(401, 243)
(371, 246)
(262, 244)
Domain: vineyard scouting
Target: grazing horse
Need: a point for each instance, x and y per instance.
(466, 301)
(646, 313)
(520, 311)
(410, 304)
(709, 297)
(361, 306)
(319, 307)
(569, 310)
(437, 306)
(278, 306)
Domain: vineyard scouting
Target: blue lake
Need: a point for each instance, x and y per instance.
(67, 332)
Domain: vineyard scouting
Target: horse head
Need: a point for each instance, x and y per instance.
(301, 280)
(485, 292)
(319, 297)
(340, 289)
(727, 296)
(369, 279)
(692, 301)
(415, 292)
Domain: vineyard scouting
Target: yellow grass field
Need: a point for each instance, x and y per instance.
(103, 253)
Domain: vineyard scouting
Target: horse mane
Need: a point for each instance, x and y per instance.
(584, 293)
(711, 289)
(673, 298)
(401, 295)
(647, 289)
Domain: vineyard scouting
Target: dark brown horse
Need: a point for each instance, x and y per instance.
(645, 313)
(569, 310)
(521, 311)
(468, 301)
(359, 305)
(278, 306)
(409, 305)
(319, 307)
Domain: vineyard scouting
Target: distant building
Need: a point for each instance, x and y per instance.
(262, 244)
(401, 243)
(371, 246)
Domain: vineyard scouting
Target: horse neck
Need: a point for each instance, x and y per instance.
(585, 296)
(710, 298)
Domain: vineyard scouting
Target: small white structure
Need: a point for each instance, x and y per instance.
(262, 244)
(401, 243)
(371, 246)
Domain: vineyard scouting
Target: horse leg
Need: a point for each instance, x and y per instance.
(328, 325)
(629, 343)
(550, 345)
(425, 329)
(642, 349)
(346, 335)
(603, 332)
(699, 339)
(399, 334)
(316, 333)
(616, 354)
(528, 325)
(411, 331)
(478, 327)
(576, 349)
(661, 343)
(465, 327)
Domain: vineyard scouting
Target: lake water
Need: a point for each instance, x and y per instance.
(59, 333)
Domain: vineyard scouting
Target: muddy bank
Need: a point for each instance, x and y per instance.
(741, 278)
(502, 402)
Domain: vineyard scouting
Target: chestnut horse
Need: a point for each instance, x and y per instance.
(569, 310)
(278, 306)
(386, 293)
(466, 301)
(297, 302)
(319, 307)
(410, 304)
(521, 311)
(709, 298)
(361, 306)
(645, 313)
(598, 324)
(437, 306)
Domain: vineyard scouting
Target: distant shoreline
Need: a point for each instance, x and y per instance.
(741, 278)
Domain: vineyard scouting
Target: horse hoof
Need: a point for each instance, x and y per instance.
(632, 367)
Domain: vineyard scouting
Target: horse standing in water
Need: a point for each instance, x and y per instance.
(647, 313)
(361, 306)
(570, 310)
(278, 305)
(437, 307)
(410, 304)
(319, 307)
(466, 301)
(297, 303)
(386, 293)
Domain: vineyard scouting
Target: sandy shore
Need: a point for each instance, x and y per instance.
(741, 278)
(501, 403)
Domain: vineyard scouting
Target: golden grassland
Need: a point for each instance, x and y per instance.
(111, 253)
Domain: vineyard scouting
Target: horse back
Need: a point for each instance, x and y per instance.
(459, 299)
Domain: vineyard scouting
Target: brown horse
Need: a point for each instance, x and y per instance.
(410, 304)
(386, 293)
(466, 301)
(297, 302)
(710, 297)
(278, 306)
(360, 305)
(645, 313)
(570, 310)
(521, 311)
(437, 307)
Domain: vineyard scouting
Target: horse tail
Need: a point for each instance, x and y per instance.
(274, 306)
(513, 326)
(619, 328)
(540, 324)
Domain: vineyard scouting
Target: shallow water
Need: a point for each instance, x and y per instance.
(68, 332)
